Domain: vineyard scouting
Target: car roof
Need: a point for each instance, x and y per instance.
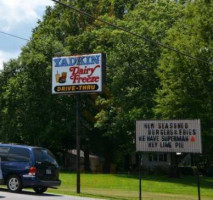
(18, 145)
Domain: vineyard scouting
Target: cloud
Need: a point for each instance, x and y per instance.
(15, 12)
(18, 17)
(6, 56)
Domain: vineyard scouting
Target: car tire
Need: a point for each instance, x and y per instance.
(14, 184)
(40, 190)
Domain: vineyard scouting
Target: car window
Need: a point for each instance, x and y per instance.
(17, 154)
(44, 156)
(4, 153)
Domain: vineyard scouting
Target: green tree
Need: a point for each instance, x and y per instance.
(131, 75)
(186, 89)
(30, 113)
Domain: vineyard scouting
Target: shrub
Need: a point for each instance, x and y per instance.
(186, 170)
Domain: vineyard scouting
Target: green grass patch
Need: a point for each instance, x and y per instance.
(123, 187)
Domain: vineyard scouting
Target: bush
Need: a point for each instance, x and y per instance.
(210, 172)
(186, 170)
(161, 170)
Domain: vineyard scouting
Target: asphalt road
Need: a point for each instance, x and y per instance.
(25, 195)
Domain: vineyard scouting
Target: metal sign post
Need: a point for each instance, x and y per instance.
(140, 179)
(78, 143)
(198, 183)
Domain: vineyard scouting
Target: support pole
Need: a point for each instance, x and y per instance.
(78, 143)
(140, 185)
(198, 183)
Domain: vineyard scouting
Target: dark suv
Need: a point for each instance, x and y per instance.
(28, 167)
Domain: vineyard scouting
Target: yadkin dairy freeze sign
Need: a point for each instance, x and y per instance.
(78, 74)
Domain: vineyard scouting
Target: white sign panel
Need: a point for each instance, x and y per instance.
(78, 74)
(168, 136)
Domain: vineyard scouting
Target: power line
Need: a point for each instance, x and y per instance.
(15, 36)
(132, 33)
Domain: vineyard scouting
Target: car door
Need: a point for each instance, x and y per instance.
(46, 165)
(18, 160)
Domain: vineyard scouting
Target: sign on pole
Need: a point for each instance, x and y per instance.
(168, 136)
(74, 75)
(78, 74)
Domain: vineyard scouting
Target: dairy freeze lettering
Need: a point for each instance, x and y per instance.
(87, 72)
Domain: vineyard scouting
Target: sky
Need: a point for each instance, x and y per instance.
(18, 17)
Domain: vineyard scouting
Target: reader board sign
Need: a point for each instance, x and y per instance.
(78, 74)
(168, 136)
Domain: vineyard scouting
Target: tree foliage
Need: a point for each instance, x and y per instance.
(187, 85)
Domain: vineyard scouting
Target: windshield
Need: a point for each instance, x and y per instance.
(44, 156)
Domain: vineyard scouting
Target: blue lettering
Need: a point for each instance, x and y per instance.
(88, 60)
(57, 62)
(81, 61)
(64, 62)
(72, 61)
(95, 59)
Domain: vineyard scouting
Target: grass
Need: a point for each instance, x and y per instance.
(125, 187)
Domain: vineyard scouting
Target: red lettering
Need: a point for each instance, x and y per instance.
(78, 79)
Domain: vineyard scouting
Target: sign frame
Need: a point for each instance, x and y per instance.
(144, 148)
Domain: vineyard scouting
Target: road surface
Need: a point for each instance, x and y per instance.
(27, 195)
